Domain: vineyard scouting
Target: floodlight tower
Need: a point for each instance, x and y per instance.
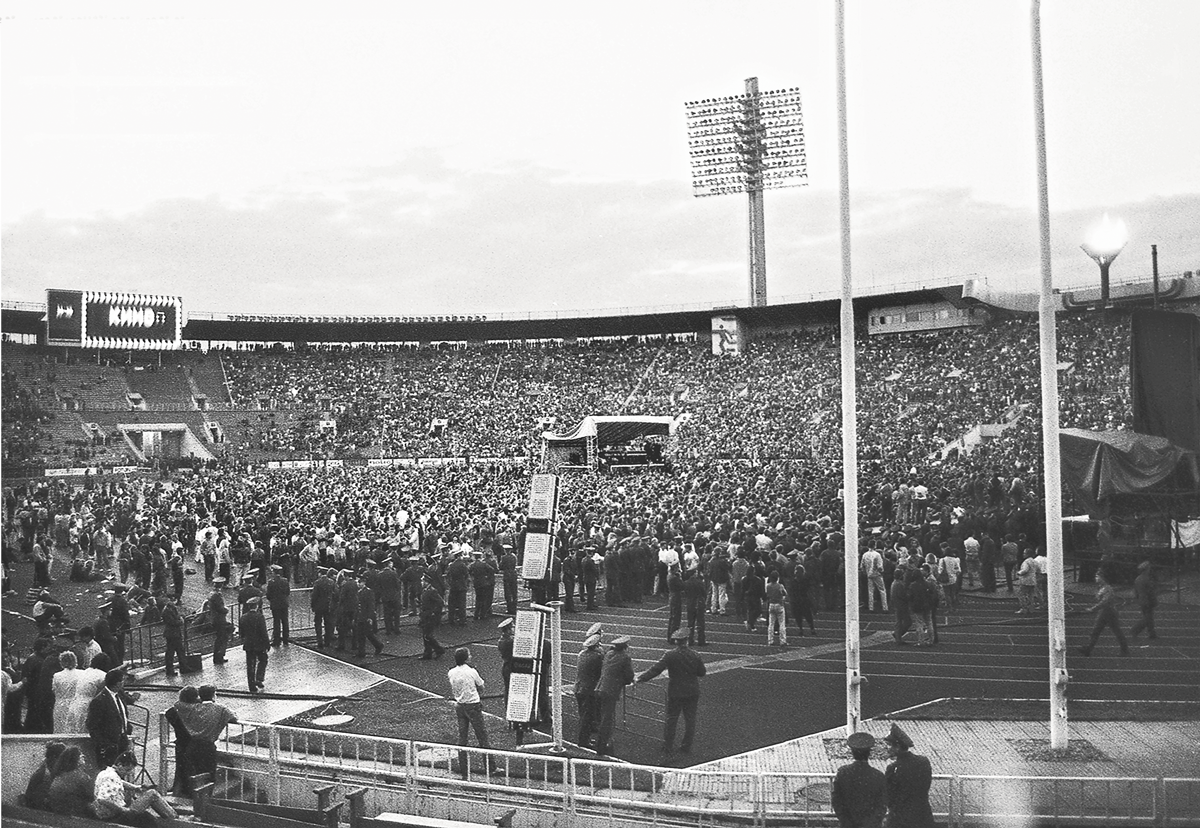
(747, 144)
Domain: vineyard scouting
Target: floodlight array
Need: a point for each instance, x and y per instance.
(746, 143)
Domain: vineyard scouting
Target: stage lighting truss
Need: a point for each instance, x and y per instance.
(747, 143)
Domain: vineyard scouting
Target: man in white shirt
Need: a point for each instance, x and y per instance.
(466, 685)
(872, 567)
(118, 800)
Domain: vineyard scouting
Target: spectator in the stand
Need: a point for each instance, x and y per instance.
(119, 800)
(70, 791)
(37, 791)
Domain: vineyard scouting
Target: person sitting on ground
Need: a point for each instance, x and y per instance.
(119, 800)
(47, 611)
(37, 792)
(71, 788)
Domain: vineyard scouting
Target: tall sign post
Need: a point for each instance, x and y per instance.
(747, 144)
(537, 633)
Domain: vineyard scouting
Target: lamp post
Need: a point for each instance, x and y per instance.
(1104, 242)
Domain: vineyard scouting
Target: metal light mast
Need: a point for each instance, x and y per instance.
(747, 144)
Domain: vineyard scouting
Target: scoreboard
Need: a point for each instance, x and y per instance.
(134, 321)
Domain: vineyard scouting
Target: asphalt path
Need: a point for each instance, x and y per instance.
(756, 694)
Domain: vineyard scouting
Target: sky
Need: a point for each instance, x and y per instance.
(531, 157)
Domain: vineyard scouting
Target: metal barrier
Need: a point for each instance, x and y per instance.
(280, 764)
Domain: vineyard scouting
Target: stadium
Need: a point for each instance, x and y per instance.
(421, 438)
(298, 531)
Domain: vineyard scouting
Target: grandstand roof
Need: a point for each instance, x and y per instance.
(24, 320)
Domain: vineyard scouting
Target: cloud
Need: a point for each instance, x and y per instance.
(421, 237)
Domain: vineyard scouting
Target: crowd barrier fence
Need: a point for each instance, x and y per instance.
(279, 764)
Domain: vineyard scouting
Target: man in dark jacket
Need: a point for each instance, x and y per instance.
(108, 719)
(388, 598)
(218, 618)
(508, 573)
(908, 778)
(429, 619)
(695, 595)
(364, 622)
(256, 641)
(859, 795)
(684, 668)
(589, 577)
(570, 570)
(615, 673)
(118, 616)
(172, 633)
(279, 592)
(483, 580)
(457, 577)
(321, 599)
(587, 676)
(347, 603)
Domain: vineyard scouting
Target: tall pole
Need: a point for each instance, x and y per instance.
(556, 710)
(1154, 268)
(849, 399)
(756, 223)
(1050, 449)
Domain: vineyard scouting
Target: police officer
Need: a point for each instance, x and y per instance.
(279, 592)
(587, 676)
(322, 599)
(508, 572)
(615, 673)
(859, 795)
(908, 778)
(684, 668)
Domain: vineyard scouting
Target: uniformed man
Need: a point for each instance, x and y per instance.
(695, 594)
(859, 795)
(587, 676)
(483, 580)
(508, 573)
(347, 604)
(570, 570)
(908, 778)
(458, 574)
(256, 641)
(589, 577)
(249, 588)
(364, 621)
(615, 673)
(218, 619)
(674, 600)
(321, 600)
(279, 592)
(684, 668)
(505, 647)
(429, 619)
(387, 595)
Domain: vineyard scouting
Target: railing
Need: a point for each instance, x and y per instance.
(282, 764)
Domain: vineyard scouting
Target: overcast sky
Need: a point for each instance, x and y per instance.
(472, 157)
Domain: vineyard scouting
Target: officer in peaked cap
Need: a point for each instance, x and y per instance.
(587, 676)
(859, 795)
(908, 777)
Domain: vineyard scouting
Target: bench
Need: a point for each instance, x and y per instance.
(241, 814)
(20, 815)
(358, 818)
